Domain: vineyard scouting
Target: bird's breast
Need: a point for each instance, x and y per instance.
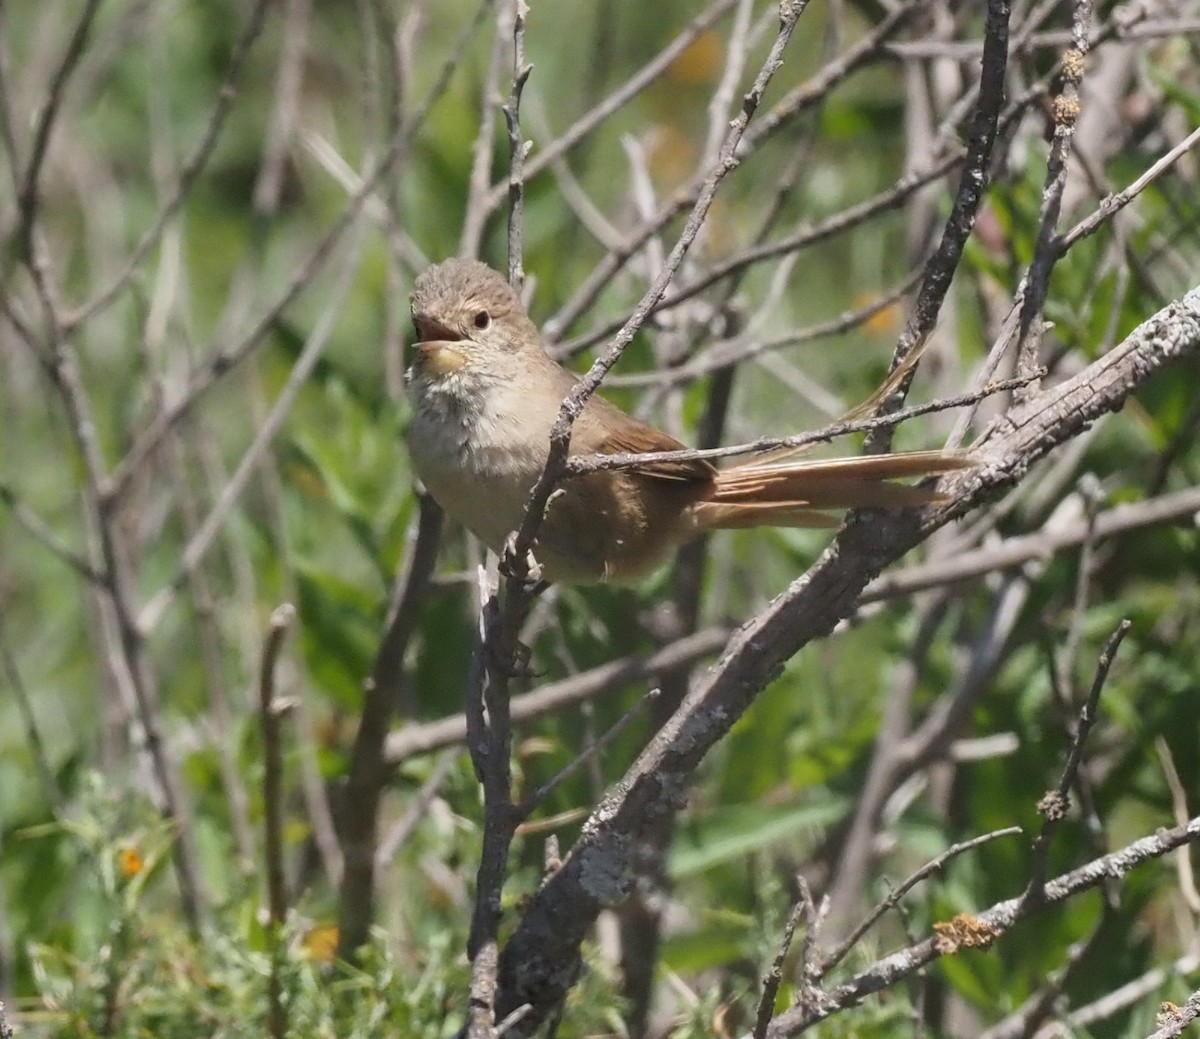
(478, 462)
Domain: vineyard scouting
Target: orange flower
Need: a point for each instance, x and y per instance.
(131, 862)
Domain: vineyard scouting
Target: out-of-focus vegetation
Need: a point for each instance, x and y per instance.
(120, 649)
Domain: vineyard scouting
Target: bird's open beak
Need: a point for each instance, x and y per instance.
(437, 351)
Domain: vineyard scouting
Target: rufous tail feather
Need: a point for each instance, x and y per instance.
(795, 494)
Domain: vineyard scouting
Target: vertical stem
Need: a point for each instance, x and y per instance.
(270, 714)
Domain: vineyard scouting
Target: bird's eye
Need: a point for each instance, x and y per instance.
(483, 319)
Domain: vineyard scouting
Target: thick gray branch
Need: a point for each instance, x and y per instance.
(542, 958)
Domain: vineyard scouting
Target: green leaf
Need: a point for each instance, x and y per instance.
(732, 832)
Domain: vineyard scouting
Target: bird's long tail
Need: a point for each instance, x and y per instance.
(798, 493)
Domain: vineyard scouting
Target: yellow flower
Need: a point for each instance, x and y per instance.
(321, 942)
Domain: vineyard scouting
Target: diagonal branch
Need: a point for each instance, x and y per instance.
(540, 960)
(368, 772)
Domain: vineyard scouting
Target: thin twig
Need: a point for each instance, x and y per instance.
(770, 987)
(830, 227)
(512, 1020)
(270, 712)
(28, 197)
(33, 732)
(580, 464)
(599, 114)
(209, 640)
(1110, 205)
(1091, 496)
(527, 807)
(973, 182)
(518, 148)
(1054, 805)
(810, 93)
(131, 660)
(489, 735)
(285, 108)
(398, 836)
(7, 130)
(1066, 109)
(893, 899)
(1179, 804)
(1043, 1004)
(476, 214)
(726, 352)
(889, 767)
(44, 534)
(1124, 996)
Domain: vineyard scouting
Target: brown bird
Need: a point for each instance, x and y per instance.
(485, 394)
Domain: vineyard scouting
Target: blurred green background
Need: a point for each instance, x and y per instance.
(92, 940)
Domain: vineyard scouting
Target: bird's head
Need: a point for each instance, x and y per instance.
(468, 322)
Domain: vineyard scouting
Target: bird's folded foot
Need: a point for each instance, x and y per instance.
(527, 573)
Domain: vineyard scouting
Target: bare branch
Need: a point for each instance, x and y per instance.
(766, 1002)
(270, 712)
(1174, 1019)
(475, 217)
(489, 735)
(976, 171)
(893, 899)
(231, 355)
(628, 90)
(367, 771)
(192, 168)
(1016, 551)
(527, 807)
(28, 197)
(1053, 806)
(986, 926)
(44, 534)
(398, 836)
(1110, 205)
(1123, 997)
(413, 740)
(1066, 108)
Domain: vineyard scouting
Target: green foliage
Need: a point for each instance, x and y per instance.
(92, 946)
(124, 967)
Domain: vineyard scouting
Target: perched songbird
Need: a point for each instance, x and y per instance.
(485, 394)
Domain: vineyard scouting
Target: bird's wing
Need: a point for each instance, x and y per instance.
(604, 429)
